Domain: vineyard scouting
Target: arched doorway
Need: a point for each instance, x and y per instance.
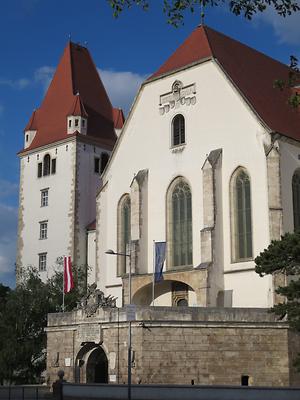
(97, 367)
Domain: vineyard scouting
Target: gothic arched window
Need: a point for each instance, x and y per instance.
(178, 130)
(179, 222)
(296, 199)
(46, 165)
(241, 223)
(124, 232)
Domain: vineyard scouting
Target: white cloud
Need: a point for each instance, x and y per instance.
(18, 84)
(287, 29)
(44, 75)
(121, 87)
(8, 238)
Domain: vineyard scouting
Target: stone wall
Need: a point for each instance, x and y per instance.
(177, 345)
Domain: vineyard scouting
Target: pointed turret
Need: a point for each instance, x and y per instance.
(77, 117)
(76, 73)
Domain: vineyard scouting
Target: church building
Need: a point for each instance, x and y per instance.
(207, 161)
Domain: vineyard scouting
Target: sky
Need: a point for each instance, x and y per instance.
(125, 50)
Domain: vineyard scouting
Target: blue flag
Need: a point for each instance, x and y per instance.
(160, 256)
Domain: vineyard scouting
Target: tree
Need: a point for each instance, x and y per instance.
(283, 257)
(23, 320)
(174, 9)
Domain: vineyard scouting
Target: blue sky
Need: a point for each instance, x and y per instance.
(125, 50)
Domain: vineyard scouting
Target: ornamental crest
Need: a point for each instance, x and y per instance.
(178, 96)
(95, 299)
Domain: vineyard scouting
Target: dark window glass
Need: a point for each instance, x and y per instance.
(97, 165)
(243, 228)
(53, 166)
(296, 199)
(46, 166)
(76, 122)
(70, 123)
(178, 130)
(181, 203)
(40, 169)
(104, 161)
(27, 137)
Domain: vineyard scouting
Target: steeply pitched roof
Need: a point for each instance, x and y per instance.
(252, 72)
(77, 108)
(75, 73)
(119, 118)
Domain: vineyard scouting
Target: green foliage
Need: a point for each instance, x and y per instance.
(23, 321)
(174, 9)
(283, 257)
(292, 83)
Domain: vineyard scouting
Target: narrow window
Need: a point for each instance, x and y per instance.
(104, 161)
(178, 130)
(43, 230)
(44, 197)
(40, 169)
(124, 232)
(83, 123)
(76, 122)
(97, 165)
(42, 262)
(241, 215)
(70, 123)
(46, 165)
(27, 138)
(296, 199)
(179, 215)
(53, 166)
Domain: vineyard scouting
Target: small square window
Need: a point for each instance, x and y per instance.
(97, 165)
(43, 230)
(42, 262)
(44, 197)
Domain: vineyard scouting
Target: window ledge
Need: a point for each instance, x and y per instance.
(178, 149)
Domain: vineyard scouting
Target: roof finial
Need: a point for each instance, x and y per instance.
(69, 37)
(202, 15)
(85, 43)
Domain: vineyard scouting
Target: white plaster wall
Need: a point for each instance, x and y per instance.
(289, 162)
(57, 212)
(220, 119)
(91, 256)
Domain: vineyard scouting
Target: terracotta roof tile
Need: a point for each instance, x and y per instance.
(77, 108)
(252, 72)
(119, 118)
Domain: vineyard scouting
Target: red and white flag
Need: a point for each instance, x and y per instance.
(68, 276)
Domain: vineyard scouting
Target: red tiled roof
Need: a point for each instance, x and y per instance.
(252, 72)
(119, 118)
(75, 73)
(77, 108)
(31, 126)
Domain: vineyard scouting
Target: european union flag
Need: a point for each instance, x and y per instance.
(160, 256)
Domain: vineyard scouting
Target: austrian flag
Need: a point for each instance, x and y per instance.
(68, 276)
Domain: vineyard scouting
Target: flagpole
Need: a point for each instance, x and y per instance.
(63, 288)
(153, 277)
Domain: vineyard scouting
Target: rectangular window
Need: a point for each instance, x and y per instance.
(97, 165)
(44, 197)
(70, 123)
(42, 261)
(83, 122)
(53, 166)
(40, 169)
(76, 122)
(43, 229)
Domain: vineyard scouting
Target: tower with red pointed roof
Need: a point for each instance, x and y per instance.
(67, 142)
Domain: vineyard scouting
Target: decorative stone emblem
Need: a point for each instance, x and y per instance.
(179, 96)
(95, 299)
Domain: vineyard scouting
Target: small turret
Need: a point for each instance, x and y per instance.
(30, 130)
(77, 118)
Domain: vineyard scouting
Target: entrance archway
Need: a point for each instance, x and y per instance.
(97, 367)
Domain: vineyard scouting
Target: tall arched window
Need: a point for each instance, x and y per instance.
(241, 224)
(179, 222)
(296, 199)
(178, 130)
(46, 165)
(124, 232)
